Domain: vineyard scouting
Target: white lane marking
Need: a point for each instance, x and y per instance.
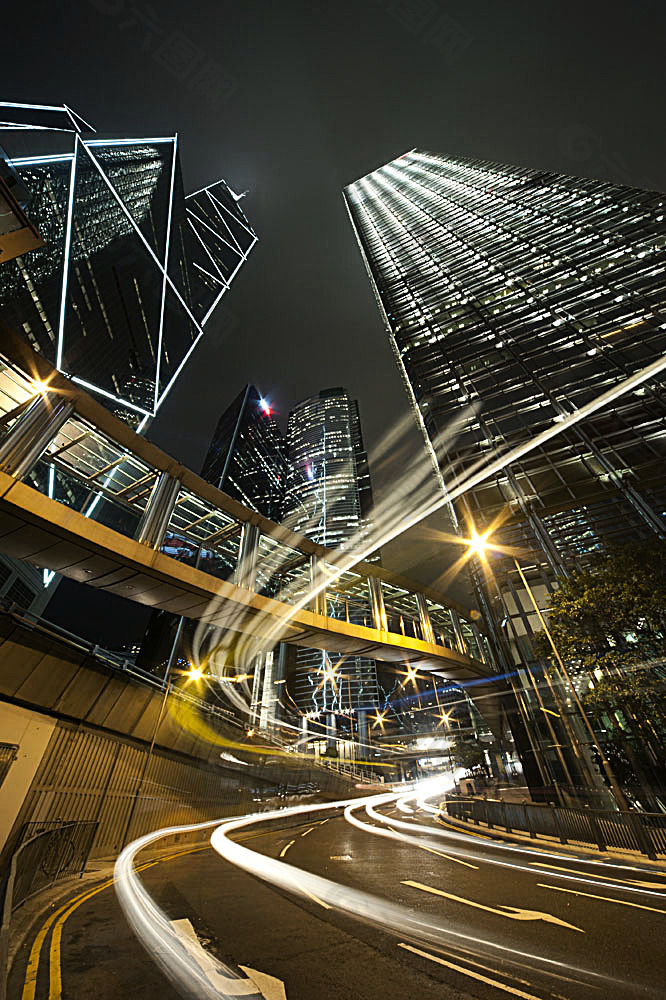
(269, 987)
(286, 848)
(605, 899)
(226, 985)
(307, 832)
(511, 912)
(470, 972)
(606, 878)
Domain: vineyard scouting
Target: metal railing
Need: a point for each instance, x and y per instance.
(46, 852)
(644, 833)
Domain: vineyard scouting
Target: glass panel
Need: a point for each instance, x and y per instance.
(347, 598)
(282, 572)
(114, 286)
(402, 613)
(203, 536)
(31, 285)
(442, 625)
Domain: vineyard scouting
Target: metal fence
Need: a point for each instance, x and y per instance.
(629, 831)
(46, 853)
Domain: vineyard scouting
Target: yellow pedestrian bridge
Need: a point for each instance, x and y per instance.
(82, 495)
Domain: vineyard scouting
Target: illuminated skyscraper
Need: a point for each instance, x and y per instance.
(329, 494)
(329, 499)
(131, 269)
(515, 296)
(247, 457)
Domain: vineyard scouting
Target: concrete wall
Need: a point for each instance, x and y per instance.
(95, 744)
(30, 732)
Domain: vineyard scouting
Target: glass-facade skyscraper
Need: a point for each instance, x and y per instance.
(515, 296)
(511, 298)
(247, 457)
(131, 268)
(329, 494)
(329, 499)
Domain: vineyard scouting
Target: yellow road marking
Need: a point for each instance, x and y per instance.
(470, 972)
(32, 969)
(456, 829)
(315, 898)
(608, 878)
(307, 832)
(285, 849)
(511, 912)
(605, 899)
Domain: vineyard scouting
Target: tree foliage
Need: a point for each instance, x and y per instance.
(468, 754)
(608, 622)
(614, 611)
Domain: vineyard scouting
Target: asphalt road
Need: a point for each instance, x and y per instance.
(527, 925)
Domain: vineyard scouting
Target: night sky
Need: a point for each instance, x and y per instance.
(294, 100)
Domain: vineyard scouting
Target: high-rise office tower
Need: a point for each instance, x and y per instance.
(517, 296)
(329, 499)
(329, 494)
(247, 457)
(131, 268)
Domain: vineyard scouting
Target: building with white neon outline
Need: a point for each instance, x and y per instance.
(132, 268)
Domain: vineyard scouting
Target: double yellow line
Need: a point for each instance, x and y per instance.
(65, 911)
(58, 919)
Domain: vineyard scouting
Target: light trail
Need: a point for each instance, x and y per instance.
(419, 494)
(168, 946)
(472, 851)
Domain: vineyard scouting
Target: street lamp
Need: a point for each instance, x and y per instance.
(478, 545)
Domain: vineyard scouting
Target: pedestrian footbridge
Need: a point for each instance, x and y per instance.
(82, 495)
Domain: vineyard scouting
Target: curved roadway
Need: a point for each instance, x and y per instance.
(374, 901)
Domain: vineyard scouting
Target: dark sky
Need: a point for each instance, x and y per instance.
(294, 100)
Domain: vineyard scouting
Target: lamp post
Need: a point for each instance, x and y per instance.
(478, 544)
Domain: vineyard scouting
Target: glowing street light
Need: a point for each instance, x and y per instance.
(195, 673)
(477, 543)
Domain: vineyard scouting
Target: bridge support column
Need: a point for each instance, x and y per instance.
(303, 737)
(377, 604)
(155, 519)
(246, 570)
(32, 433)
(319, 600)
(257, 687)
(363, 740)
(331, 733)
(424, 616)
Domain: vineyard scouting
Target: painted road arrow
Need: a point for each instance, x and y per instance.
(512, 912)
(253, 985)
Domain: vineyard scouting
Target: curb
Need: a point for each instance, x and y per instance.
(583, 851)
